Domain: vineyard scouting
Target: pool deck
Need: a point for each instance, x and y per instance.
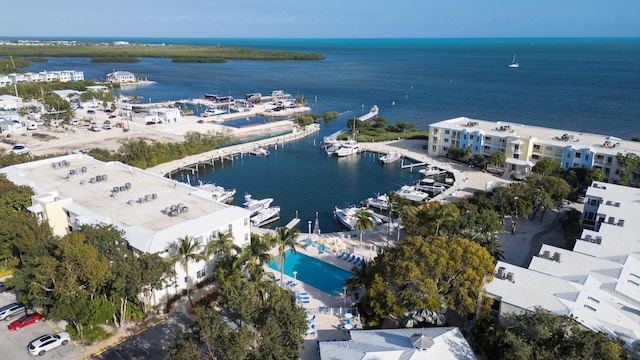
(327, 308)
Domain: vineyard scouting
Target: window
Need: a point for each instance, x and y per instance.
(536, 147)
(230, 227)
(246, 237)
(433, 148)
(470, 137)
(599, 157)
(446, 140)
(516, 156)
(577, 155)
(246, 221)
(535, 157)
(201, 273)
(487, 138)
(445, 149)
(446, 132)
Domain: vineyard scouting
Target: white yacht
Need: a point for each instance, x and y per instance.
(390, 157)
(261, 211)
(349, 147)
(218, 193)
(514, 64)
(265, 216)
(256, 205)
(261, 151)
(431, 170)
(212, 111)
(429, 186)
(347, 216)
(379, 202)
(411, 193)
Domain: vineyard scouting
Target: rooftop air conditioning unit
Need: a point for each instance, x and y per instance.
(510, 277)
(556, 256)
(500, 274)
(598, 239)
(127, 186)
(546, 254)
(587, 237)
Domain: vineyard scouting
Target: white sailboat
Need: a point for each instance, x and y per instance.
(514, 64)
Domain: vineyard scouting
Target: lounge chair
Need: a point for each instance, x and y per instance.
(348, 258)
(341, 255)
(303, 301)
(354, 260)
(303, 293)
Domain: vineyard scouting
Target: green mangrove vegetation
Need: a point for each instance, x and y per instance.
(377, 129)
(180, 53)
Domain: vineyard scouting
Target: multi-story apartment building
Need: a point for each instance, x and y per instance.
(524, 145)
(75, 190)
(47, 76)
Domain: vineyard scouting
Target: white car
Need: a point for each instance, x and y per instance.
(49, 342)
(19, 149)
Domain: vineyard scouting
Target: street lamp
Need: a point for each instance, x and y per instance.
(295, 277)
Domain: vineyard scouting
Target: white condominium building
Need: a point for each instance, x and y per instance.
(524, 145)
(74, 190)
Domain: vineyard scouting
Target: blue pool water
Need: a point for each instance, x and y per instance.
(311, 271)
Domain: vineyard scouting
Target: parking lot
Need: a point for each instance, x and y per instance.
(14, 343)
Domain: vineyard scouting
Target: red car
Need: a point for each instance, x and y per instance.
(24, 321)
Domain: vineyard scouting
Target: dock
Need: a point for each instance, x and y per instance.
(194, 163)
(293, 223)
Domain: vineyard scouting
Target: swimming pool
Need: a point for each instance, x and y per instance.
(311, 271)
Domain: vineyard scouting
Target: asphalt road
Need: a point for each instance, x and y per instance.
(151, 343)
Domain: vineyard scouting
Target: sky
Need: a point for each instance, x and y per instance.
(321, 18)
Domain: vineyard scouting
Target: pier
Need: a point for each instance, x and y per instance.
(193, 163)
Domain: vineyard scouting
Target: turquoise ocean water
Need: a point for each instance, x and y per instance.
(590, 85)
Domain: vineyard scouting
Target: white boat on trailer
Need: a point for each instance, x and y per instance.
(431, 170)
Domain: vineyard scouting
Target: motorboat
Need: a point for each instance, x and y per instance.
(261, 211)
(212, 111)
(265, 216)
(255, 205)
(348, 216)
(347, 148)
(379, 202)
(218, 193)
(429, 186)
(390, 157)
(411, 193)
(431, 170)
(261, 151)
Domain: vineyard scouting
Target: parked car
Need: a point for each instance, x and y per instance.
(49, 342)
(94, 128)
(25, 320)
(91, 111)
(19, 149)
(2, 287)
(9, 311)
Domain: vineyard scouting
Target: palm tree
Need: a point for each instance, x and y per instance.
(285, 239)
(223, 246)
(256, 254)
(443, 215)
(186, 250)
(363, 222)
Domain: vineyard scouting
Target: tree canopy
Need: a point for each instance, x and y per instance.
(432, 274)
(542, 335)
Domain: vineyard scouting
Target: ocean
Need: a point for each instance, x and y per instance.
(586, 85)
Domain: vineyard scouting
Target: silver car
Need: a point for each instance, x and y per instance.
(11, 310)
(49, 342)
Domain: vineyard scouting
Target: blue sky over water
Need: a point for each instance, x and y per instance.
(323, 19)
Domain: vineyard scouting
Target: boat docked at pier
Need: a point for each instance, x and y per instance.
(213, 111)
(218, 193)
(390, 157)
(429, 186)
(348, 216)
(431, 170)
(260, 151)
(410, 192)
(380, 202)
(261, 211)
(348, 148)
